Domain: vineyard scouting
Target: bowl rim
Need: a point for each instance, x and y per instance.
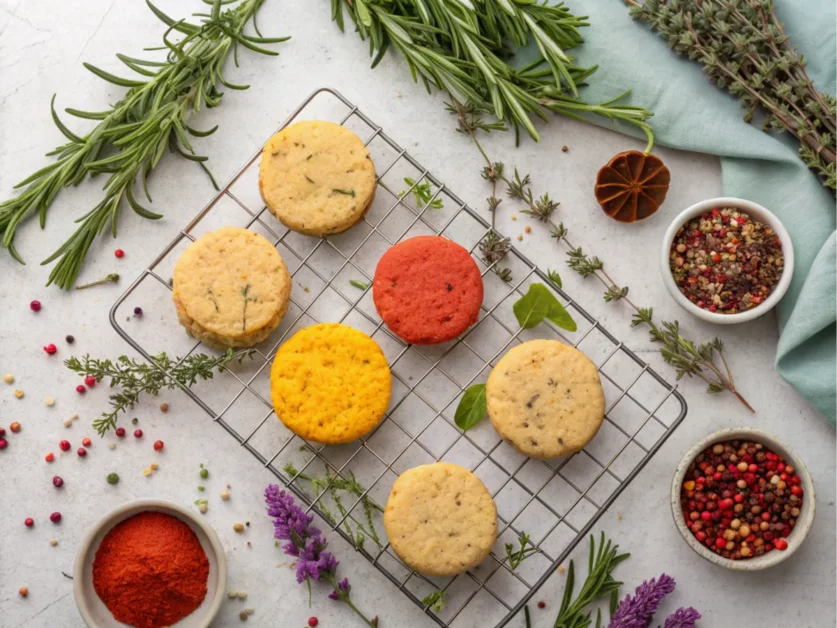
(186, 515)
(799, 533)
(760, 212)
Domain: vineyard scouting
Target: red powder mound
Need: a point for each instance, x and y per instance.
(428, 290)
(150, 570)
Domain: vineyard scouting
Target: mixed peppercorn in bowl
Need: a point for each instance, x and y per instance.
(727, 260)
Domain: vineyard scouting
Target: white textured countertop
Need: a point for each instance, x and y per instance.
(42, 45)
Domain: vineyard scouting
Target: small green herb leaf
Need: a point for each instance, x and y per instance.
(435, 600)
(472, 407)
(539, 304)
(359, 284)
(555, 278)
(346, 192)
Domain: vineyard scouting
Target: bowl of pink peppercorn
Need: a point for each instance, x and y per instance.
(743, 500)
(727, 260)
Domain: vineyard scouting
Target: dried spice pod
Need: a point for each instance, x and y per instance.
(632, 186)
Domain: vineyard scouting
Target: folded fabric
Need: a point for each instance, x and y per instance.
(692, 114)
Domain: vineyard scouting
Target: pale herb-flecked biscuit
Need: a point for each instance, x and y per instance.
(440, 519)
(330, 383)
(545, 399)
(231, 288)
(317, 177)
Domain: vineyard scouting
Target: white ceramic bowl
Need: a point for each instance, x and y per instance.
(803, 522)
(93, 611)
(755, 211)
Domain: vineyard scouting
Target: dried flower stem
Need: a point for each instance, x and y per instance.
(687, 358)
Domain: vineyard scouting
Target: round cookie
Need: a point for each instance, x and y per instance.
(440, 519)
(545, 399)
(427, 289)
(231, 288)
(330, 383)
(317, 177)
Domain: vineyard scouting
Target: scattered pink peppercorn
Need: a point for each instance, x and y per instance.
(90, 381)
(3, 443)
(15, 427)
(2, 432)
(119, 253)
(138, 311)
(49, 457)
(64, 445)
(120, 432)
(29, 522)
(86, 442)
(55, 517)
(541, 604)
(82, 452)
(57, 481)
(158, 445)
(80, 389)
(137, 433)
(313, 622)
(50, 349)
(35, 306)
(70, 339)
(780, 544)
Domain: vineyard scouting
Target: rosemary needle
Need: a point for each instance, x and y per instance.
(131, 137)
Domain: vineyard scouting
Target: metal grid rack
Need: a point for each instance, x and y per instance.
(555, 502)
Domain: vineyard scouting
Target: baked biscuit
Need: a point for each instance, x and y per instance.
(427, 289)
(440, 519)
(231, 288)
(330, 383)
(317, 177)
(545, 399)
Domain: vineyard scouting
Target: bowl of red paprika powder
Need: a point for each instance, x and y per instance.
(743, 488)
(149, 563)
(727, 260)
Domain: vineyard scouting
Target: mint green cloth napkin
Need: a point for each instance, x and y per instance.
(692, 114)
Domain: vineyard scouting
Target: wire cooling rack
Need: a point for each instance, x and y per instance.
(555, 502)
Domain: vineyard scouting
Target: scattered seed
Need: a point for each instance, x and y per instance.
(519, 236)
(64, 445)
(86, 442)
(232, 594)
(242, 595)
(560, 568)
(113, 478)
(119, 253)
(527, 229)
(204, 473)
(120, 432)
(112, 446)
(243, 616)
(9, 378)
(514, 216)
(49, 401)
(564, 149)
(29, 522)
(82, 452)
(35, 306)
(249, 611)
(137, 433)
(68, 423)
(50, 349)
(158, 445)
(146, 472)
(19, 395)
(225, 495)
(23, 591)
(154, 466)
(164, 407)
(49, 457)
(15, 427)
(80, 389)
(3, 443)
(619, 516)
(57, 481)
(55, 517)
(203, 508)
(70, 340)
(134, 421)
(137, 311)
(238, 527)
(53, 542)
(201, 488)
(541, 604)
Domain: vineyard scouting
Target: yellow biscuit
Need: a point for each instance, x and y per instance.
(330, 383)
(317, 177)
(231, 288)
(545, 399)
(440, 519)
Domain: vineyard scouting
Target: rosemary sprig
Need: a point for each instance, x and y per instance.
(422, 193)
(599, 582)
(133, 378)
(130, 138)
(742, 47)
(517, 556)
(337, 486)
(463, 48)
(687, 357)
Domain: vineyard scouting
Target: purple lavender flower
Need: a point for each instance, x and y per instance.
(343, 586)
(637, 611)
(682, 618)
(306, 543)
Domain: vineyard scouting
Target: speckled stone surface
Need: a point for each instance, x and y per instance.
(42, 45)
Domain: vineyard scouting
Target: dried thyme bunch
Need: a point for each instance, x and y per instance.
(687, 357)
(464, 48)
(131, 137)
(742, 47)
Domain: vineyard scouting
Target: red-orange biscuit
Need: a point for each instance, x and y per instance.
(428, 290)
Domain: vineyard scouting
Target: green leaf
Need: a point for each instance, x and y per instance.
(358, 284)
(472, 408)
(539, 304)
(111, 78)
(67, 132)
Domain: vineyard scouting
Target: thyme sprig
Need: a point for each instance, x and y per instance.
(524, 551)
(463, 48)
(133, 377)
(337, 486)
(743, 48)
(706, 361)
(131, 137)
(423, 194)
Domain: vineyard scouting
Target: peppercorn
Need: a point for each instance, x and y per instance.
(29, 522)
(204, 473)
(15, 427)
(49, 457)
(119, 253)
(23, 591)
(120, 432)
(35, 306)
(82, 452)
(238, 527)
(80, 389)
(541, 604)
(137, 311)
(9, 378)
(70, 339)
(50, 349)
(113, 478)
(313, 622)
(158, 445)
(137, 433)
(55, 517)
(64, 445)
(57, 481)
(164, 407)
